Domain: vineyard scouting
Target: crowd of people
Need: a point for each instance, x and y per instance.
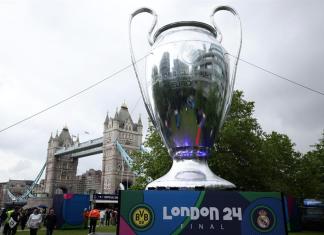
(35, 218)
(95, 217)
(32, 218)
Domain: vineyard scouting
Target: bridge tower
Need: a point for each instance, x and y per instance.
(60, 170)
(120, 128)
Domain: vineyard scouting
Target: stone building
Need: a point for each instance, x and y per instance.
(121, 128)
(3, 195)
(62, 161)
(60, 171)
(16, 187)
(39, 188)
(89, 182)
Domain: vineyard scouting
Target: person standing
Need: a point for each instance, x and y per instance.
(23, 219)
(34, 221)
(6, 217)
(85, 218)
(43, 213)
(107, 216)
(1, 212)
(3, 217)
(102, 218)
(12, 222)
(50, 221)
(113, 217)
(94, 215)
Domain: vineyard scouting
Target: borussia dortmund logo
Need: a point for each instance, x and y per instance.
(263, 219)
(141, 217)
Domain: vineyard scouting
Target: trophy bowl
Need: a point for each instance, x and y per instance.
(187, 91)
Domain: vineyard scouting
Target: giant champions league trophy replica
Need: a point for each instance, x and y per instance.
(187, 92)
(187, 88)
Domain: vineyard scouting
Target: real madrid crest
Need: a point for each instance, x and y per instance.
(263, 219)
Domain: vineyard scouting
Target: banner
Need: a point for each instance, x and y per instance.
(201, 212)
(105, 197)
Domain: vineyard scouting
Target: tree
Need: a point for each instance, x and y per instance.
(153, 164)
(311, 172)
(247, 156)
(281, 160)
(237, 149)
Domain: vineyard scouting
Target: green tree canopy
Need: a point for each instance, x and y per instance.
(245, 155)
(153, 164)
(311, 172)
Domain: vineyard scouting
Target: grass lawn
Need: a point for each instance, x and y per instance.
(109, 229)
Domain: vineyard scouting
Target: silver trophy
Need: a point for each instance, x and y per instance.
(187, 90)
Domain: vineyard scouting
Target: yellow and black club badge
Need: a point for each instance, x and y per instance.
(141, 217)
(263, 219)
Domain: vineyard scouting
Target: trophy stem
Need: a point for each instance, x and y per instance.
(190, 174)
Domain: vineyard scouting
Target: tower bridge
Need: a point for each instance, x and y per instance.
(79, 150)
(63, 154)
(120, 137)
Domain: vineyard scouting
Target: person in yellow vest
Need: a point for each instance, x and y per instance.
(94, 215)
(11, 222)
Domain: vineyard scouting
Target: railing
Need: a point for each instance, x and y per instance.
(83, 147)
(28, 192)
(79, 147)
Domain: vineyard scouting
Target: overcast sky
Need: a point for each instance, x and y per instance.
(52, 49)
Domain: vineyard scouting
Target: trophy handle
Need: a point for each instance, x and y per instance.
(151, 42)
(220, 37)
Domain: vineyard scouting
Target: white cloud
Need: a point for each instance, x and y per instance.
(52, 49)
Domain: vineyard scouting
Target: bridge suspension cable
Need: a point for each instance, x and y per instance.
(125, 156)
(127, 159)
(73, 95)
(140, 59)
(29, 190)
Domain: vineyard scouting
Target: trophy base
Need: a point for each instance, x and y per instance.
(190, 174)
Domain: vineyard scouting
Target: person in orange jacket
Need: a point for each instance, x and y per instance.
(94, 215)
(85, 218)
